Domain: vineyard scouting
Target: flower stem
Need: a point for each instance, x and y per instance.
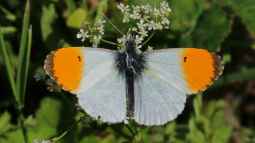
(148, 39)
(109, 42)
(117, 29)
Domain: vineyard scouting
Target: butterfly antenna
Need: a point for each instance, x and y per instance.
(114, 26)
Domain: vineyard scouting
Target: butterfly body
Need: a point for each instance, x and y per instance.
(130, 65)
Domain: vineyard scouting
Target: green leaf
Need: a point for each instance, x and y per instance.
(5, 122)
(46, 123)
(221, 129)
(198, 105)
(13, 137)
(244, 74)
(101, 9)
(24, 56)
(76, 19)
(211, 30)
(8, 29)
(90, 139)
(10, 16)
(9, 68)
(49, 113)
(226, 58)
(185, 14)
(195, 135)
(48, 17)
(70, 6)
(246, 10)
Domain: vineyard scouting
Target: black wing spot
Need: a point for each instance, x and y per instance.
(79, 58)
(185, 59)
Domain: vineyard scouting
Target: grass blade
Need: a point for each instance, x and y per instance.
(27, 61)
(24, 52)
(8, 65)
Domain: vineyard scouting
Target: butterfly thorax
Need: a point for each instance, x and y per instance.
(129, 60)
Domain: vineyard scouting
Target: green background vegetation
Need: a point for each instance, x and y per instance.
(225, 113)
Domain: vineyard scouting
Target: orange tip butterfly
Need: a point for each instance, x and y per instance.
(148, 87)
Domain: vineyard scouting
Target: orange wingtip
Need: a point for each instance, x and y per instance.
(65, 66)
(200, 68)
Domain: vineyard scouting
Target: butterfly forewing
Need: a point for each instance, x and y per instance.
(102, 91)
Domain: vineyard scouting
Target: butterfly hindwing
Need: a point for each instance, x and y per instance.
(156, 100)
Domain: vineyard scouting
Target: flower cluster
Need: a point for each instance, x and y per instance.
(93, 33)
(146, 17)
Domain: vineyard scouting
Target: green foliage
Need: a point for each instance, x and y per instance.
(202, 36)
(185, 14)
(48, 17)
(207, 124)
(227, 26)
(246, 11)
(76, 19)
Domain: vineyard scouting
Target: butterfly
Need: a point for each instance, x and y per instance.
(150, 88)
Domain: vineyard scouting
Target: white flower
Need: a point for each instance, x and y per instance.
(99, 26)
(122, 40)
(125, 10)
(138, 40)
(164, 7)
(146, 18)
(82, 35)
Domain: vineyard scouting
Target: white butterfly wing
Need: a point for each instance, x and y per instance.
(160, 94)
(102, 91)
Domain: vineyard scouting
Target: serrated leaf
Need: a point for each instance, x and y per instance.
(185, 14)
(76, 19)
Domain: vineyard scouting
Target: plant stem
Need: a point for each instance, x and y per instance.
(117, 29)
(109, 42)
(149, 38)
(23, 128)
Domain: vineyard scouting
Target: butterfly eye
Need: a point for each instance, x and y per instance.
(185, 59)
